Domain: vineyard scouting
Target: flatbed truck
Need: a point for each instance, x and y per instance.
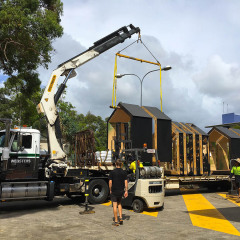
(27, 174)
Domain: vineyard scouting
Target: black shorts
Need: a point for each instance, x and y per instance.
(115, 198)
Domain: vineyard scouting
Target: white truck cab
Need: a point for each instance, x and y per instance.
(24, 153)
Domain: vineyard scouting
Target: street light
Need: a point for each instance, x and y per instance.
(141, 80)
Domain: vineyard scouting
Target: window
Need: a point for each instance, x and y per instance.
(27, 141)
(2, 139)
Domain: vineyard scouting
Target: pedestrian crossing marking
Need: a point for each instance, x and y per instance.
(150, 212)
(203, 214)
(230, 198)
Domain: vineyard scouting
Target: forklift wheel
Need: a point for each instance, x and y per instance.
(161, 208)
(137, 205)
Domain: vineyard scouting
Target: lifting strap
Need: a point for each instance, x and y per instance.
(114, 92)
(118, 54)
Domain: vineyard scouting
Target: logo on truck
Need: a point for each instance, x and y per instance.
(51, 83)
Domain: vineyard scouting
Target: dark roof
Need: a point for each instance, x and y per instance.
(236, 130)
(225, 131)
(134, 110)
(197, 129)
(181, 127)
(157, 113)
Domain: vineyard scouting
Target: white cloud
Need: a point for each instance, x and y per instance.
(91, 90)
(199, 39)
(218, 78)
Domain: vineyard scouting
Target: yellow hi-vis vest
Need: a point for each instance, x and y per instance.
(235, 170)
(133, 166)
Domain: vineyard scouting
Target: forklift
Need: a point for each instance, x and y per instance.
(146, 185)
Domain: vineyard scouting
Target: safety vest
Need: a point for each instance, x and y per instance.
(133, 166)
(236, 170)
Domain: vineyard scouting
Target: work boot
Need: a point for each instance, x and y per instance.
(238, 200)
(116, 224)
(120, 221)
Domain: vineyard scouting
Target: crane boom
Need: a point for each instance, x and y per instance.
(49, 99)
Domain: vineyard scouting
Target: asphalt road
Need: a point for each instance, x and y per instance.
(187, 215)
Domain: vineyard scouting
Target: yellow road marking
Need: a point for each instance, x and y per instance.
(107, 203)
(203, 214)
(151, 212)
(230, 198)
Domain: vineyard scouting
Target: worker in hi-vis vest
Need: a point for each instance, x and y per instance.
(236, 172)
(133, 165)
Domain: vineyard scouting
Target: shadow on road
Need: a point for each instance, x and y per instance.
(230, 213)
(20, 208)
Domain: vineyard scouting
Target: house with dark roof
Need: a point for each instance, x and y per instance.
(161, 133)
(224, 146)
(130, 126)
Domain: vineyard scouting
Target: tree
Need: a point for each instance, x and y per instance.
(99, 126)
(27, 29)
(72, 122)
(69, 120)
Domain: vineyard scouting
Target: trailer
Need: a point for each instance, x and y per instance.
(183, 148)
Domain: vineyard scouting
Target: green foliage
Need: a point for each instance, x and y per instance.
(26, 33)
(99, 126)
(27, 29)
(72, 123)
(68, 118)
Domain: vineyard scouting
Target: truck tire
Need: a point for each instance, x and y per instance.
(98, 191)
(137, 205)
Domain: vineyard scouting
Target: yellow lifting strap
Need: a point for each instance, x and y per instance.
(114, 96)
(160, 86)
(114, 92)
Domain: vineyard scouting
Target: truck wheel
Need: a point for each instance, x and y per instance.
(98, 191)
(137, 205)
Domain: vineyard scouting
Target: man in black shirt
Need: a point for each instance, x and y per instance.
(118, 186)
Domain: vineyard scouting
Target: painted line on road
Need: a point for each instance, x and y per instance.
(152, 213)
(230, 198)
(203, 214)
(107, 203)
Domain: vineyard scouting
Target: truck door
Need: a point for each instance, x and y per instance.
(23, 163)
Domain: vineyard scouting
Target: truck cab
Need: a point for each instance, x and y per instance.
(24, 154)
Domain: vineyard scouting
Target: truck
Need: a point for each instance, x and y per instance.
(26, 173)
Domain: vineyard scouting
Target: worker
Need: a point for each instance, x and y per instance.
(118, 186)
(133, 165)
(236, 172)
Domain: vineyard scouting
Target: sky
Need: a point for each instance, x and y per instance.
(199, 39)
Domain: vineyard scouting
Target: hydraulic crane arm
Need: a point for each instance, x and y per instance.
(49, 99)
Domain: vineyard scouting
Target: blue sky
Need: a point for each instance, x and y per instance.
(199, 39)
(2, 78)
